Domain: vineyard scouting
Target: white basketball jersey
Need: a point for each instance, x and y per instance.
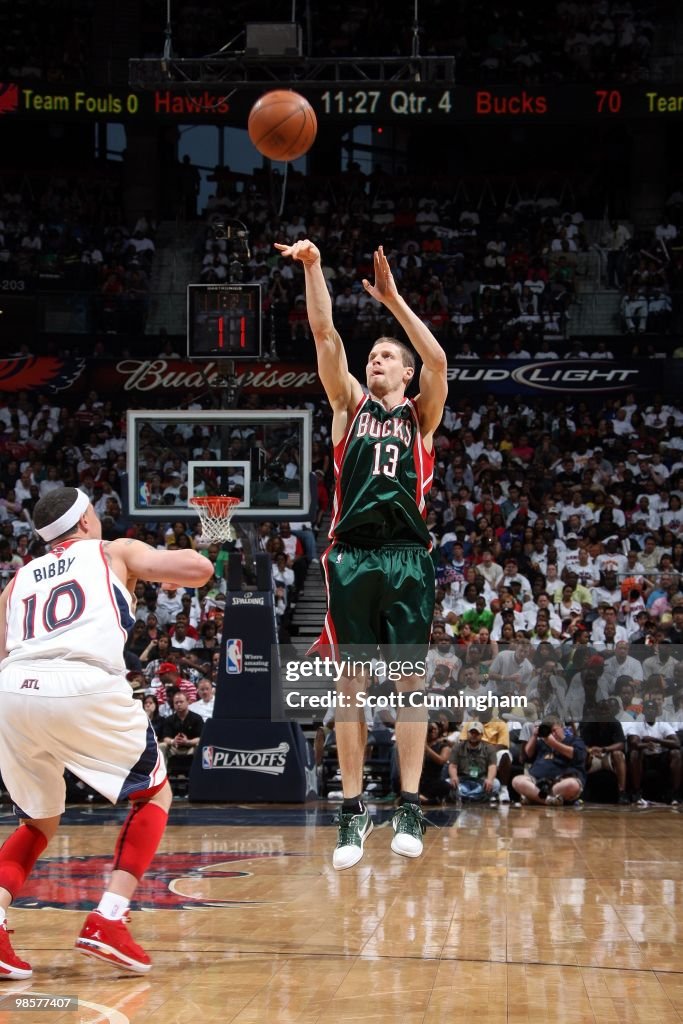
(69, 605)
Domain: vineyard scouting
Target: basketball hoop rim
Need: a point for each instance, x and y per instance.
(218, 502)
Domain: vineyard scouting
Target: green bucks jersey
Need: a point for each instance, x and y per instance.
(382, 474)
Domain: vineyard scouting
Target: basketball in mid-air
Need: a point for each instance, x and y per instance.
(282, 125)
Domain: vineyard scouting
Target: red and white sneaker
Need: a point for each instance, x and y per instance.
(112, 942)
(11, 967)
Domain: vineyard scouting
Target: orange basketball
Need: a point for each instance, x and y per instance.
(282, 125)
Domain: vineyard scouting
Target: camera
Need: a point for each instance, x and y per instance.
(544, 730)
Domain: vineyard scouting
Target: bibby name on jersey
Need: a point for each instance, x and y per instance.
(69, 604)
(393, 427)
(53, 569)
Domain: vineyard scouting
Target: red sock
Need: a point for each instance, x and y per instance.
(18, 854)
(139, 838)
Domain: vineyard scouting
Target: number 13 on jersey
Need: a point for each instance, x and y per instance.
(385, 459)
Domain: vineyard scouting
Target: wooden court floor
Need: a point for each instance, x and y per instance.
(511, 916)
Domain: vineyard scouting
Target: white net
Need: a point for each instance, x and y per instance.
(214, 515)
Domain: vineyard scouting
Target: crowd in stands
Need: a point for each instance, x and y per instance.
(535, 43)
(557, 533)
(492, 279)
(613, 756)
(46, 40)
(558, 540)
(173, 649)
(648, 269)
(68, 234)
(489, 280)
(531, 43)
(44, 443)
(557, 527)
(563, 41)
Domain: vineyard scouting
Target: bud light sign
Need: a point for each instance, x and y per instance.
(233, 657)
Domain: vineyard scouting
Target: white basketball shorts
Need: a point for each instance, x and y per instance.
(54, 716)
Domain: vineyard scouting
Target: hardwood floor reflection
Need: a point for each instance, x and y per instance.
(513, 915)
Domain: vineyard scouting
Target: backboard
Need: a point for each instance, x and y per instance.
(262, 457)
(231, 478)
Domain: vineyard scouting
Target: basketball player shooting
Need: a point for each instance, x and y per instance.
(378, 570)
(66, 703)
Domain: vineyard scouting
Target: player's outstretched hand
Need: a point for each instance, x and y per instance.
(384, 288)
(304, 251)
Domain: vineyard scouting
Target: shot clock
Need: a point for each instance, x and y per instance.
(223, 320)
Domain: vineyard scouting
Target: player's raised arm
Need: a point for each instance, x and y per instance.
(132, 559)
(341, 388)
(433, 381)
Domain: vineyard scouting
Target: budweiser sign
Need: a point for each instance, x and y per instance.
(144, 375)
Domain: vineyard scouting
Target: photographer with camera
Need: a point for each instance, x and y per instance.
(472, 766)
(558, 765)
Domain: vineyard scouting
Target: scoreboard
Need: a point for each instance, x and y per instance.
(467, 103)
(385, 103)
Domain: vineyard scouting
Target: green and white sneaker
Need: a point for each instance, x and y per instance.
(354, 829)
(409, 827)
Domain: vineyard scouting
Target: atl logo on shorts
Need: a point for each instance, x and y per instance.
(233, 657)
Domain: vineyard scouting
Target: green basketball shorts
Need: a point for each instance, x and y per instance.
(377, 597)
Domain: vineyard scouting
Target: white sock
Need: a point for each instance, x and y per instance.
(112, 906)
(3, 916)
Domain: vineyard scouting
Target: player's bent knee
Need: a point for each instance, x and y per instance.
(164, 798)
(161, 795)
(19, 853)
(47, 826)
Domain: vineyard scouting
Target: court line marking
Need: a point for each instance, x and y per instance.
(108, 1014)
